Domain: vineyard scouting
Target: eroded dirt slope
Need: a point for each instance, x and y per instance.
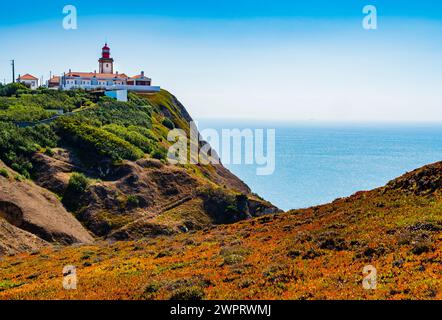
(30, 209)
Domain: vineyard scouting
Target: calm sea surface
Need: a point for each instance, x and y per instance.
(319, 162)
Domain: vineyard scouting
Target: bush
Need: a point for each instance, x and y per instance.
(78, 183)
(224, 206)
(12, 89)
(150, 290)
(159, 153)
(77, 186)
(421, 247)
(17, 145)
(92, 140)
(24, 113)
(168, 123)
(49, 152)
(131, 136)
(144, 131)
(23, 166)
(234, 255)
(4, 173)
(125, 114)
(188, 293)
(128, 202)
(132, 201)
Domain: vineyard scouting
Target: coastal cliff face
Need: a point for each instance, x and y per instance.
(105, 162)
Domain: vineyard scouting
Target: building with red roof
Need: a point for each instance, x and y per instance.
(28, 80)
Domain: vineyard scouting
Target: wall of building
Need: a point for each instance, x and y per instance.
(70, 86)
(120, 95)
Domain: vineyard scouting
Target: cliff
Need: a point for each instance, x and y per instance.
(105, 162)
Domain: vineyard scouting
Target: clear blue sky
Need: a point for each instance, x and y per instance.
(260, 59)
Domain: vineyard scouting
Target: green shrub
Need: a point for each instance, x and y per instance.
(128, 202)
(151, 289)
(144, 131)
(132, 201)
(224, 207)
(18, 94)
(159, 153)
(125, 114)
(168, 123)
(24, 113)
(12, 89)
(19, 178)
(7, 284)
(188, 293)
(92, 140)
(49, 152)
(4, 173)
(234, 255)
(78, 183)
(17, 145)
(135, 138)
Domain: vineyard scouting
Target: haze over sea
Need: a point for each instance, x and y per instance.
(319, 162)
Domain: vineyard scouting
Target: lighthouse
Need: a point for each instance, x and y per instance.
(104, 79)
(106, 63)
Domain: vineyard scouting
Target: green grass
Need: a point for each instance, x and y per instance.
(7, 284)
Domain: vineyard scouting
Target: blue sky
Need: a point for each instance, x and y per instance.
(27, 11)
(282, 60)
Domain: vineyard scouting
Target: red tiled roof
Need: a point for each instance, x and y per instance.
(139, 77)
(55, 79)
(27, 77)
(96, 75)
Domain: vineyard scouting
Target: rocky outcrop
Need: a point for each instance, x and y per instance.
(421, 181)
(14, 240)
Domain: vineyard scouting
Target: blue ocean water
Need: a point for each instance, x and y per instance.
(319, 162)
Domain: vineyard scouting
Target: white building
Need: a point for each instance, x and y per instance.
(29, 81)
(106, 79)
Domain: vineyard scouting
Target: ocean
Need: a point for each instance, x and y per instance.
(319, 162)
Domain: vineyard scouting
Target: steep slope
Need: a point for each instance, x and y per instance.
(27, 209)
(315, 253)
(107, 162)
(14, 240)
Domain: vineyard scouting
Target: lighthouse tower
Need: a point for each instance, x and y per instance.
(106, 63)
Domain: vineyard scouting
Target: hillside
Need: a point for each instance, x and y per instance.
(314, 253)
(104, 161)
(84, 181)
(30, 216)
